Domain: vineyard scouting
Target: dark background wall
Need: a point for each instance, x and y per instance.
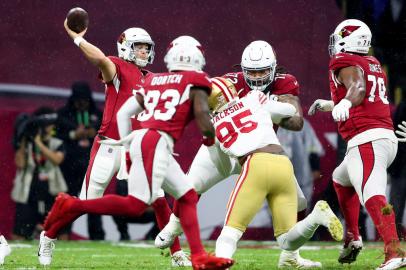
(35, 48)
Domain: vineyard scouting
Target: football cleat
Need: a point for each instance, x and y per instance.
(350, 251)
(180, 259)
(45, 249)
(209, 262)
(324, 216)
(167, 236)
(5, 249)
(292, 259)
(392, 264)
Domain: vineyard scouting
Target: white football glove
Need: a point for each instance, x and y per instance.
(341, 111)
(402, 132)
(321, 105)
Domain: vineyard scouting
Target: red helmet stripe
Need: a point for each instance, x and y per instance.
(223, 88)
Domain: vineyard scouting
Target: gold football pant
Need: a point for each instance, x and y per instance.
(264, 176)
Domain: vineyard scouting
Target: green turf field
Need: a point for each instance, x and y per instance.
(141, 255)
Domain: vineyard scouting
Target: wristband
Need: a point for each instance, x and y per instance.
(78, 40)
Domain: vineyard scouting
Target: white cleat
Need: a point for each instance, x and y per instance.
(349, 253)
(45, 249)
(324, 216)
(168, 234)
(5, 249)
(180, 259)
(392, 264)
(292, 259)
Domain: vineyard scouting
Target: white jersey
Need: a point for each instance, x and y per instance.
(245, 125)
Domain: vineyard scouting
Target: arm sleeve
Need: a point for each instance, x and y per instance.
(129, 108)
(279, 110)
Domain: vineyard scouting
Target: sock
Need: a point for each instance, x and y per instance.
(350, 207)
(128, 206)
(298, 234)
(226, 243)
(186, 211)
(162, 214)
(384, 219)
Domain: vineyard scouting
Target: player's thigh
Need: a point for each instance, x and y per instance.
(103, 164)
(282, 197)
(209, 167)
(247, 196)
(150, 160)
(340, 174)
(383, 154)
(176, 182)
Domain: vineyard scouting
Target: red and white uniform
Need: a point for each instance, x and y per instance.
(372, 144)
(105, 160)
(211, 165)
(168, 110)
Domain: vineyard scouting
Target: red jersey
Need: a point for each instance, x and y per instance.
(166, 100)
(282, 84)
(128, 78)
(374, 111)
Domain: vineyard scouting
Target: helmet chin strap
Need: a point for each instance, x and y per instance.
(140, 62)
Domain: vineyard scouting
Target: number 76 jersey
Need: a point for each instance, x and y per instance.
(245, 125)
(374, 111)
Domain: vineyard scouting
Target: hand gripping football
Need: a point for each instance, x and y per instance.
(78, 19)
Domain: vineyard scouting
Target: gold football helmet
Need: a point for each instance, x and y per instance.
(223, 91)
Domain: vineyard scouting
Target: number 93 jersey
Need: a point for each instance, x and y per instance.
(245, 125)
(374, 111)
(166, 100)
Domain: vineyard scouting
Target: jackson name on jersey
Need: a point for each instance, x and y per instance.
(244, 126)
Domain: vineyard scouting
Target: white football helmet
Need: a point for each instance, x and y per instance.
(186, 40)
(350, 36)
(126, 42)
(258, 56)
(184, 54)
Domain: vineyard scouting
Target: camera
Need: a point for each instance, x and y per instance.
(29, 126)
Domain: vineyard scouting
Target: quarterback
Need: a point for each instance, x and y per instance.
(120, 75)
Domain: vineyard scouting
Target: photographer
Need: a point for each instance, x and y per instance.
(77, 125)
(38, 179)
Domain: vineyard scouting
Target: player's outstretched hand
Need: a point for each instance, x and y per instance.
(321, 105)
(401, 131)
(71, 33)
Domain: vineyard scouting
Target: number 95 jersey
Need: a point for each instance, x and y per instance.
(245, 125)
(374, 111)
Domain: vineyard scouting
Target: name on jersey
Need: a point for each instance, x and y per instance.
(375, 68)
(227, 112)
(166, 79)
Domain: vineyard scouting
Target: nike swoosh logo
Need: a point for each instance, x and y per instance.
(162, 239)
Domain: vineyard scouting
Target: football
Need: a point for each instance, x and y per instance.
(78, 19)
